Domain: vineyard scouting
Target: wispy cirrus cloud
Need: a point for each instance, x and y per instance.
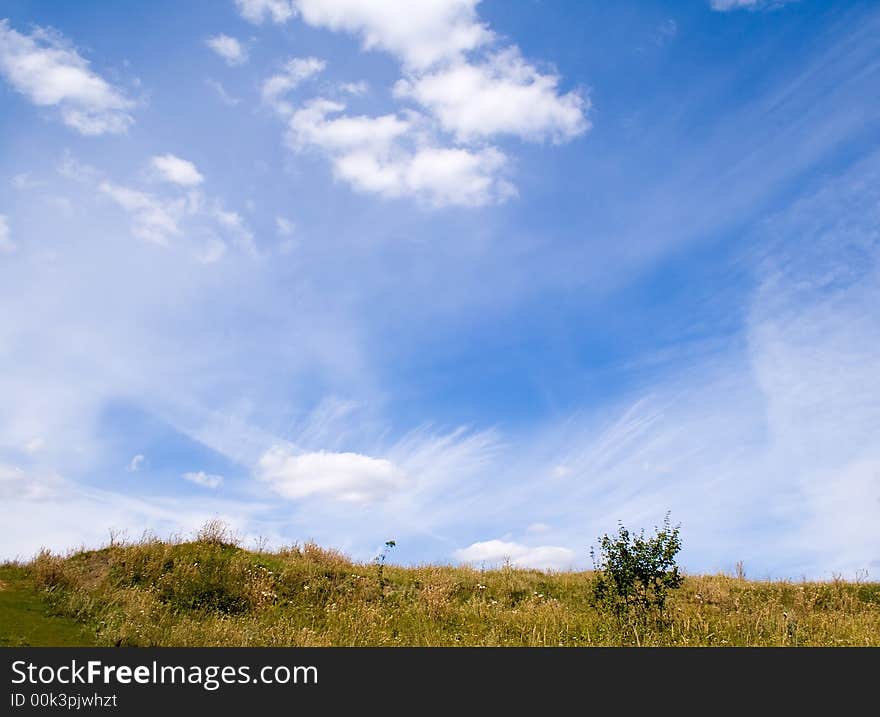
(180, 215)
(222, 93)
(728, 5)
(153, 219)
(7, 246)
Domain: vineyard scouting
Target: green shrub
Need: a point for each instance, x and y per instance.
(635, 574)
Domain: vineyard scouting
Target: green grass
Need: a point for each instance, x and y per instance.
(25, 620)
(210, 591)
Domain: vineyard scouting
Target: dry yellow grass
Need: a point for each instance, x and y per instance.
(211, 592)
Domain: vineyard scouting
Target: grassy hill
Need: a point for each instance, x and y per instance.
(211, 592)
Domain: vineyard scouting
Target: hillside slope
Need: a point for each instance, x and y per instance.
(212, 592)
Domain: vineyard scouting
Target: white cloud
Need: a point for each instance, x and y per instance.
(538, 528)
(493, 552)
(34, 445)
(135, 464)
(212, 251)
(256, 11)
(312, 126)
(723, 5)
(40, 509)
(295, 71)
(356, 89)
(438, 176)
(16, 483)
(382, 155)
(469, 95)
(50, 73)
(666, 31)
(206, 480)
(419, 32)
(71, 168)
(153, 220)
(176, 170)
(349, 477)
(190, 216)
(24, 181)
(284, 227)
(7, 246)
(230, 49)
(727, 5)
(502, 95)
(236, 227)
(220, 91)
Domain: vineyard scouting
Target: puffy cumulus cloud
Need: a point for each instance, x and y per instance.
(503, 95)
(48, 71)
(257, 11)
(7, 246)
(467, 90)
(313, 125)
(206, 480)
(390, 156)
(350, 477)
(230, 49)
(545, 557)
(419, 32)
(176, 170)
(294, 72)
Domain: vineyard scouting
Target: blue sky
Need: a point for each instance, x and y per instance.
(480, 277)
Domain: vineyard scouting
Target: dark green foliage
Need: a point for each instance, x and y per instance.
(635, 574)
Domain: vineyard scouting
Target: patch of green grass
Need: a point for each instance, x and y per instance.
(25, 619)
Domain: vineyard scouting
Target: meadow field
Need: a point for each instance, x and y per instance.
(210, 591)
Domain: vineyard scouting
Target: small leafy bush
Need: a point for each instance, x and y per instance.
(635, 574)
